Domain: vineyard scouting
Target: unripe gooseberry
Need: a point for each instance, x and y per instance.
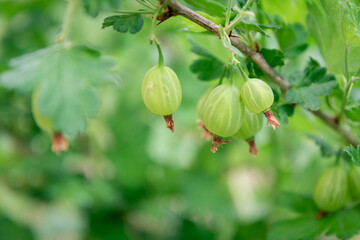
(223, 112)
(161, 90)
(252, 124)
(59, 143)
(258, 97)
(201, 103)
(354, 182)
(331, 189)
(43, 122)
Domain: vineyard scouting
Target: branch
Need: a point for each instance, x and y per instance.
(176, 8)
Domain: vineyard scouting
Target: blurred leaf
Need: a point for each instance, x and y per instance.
(93, 7)
(282, 112)
(299, 228)
(326, 149)
(124, 23)
(332, 33)
(354, 154)
(209, 6)
(194, 27)
(297, 203)
(64, 78)
(344, 224)
(353, 113)
(208, 67)
(274, 57)
(308, 86)
(291, 11)
(352, 13)
(292, 39)
(191, 230)
(255, 26)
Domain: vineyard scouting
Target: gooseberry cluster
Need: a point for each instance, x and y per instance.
(224, 110)
(333, 186)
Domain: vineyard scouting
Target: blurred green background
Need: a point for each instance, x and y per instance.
(129, 177)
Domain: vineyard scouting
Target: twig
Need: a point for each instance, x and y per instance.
(178, 9)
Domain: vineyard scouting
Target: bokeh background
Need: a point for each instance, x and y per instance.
(128, 177)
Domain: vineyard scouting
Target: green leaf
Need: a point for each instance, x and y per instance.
(299, 228)
(194, 27)
(274, 57)
(208, 67)
(209, 6)
(344, 224)
(297, 203)
(326, 148)
(282, 112)
(333, 33)
(354, 154)
(292, 39)
(124, 23)
(93, 7)
(308, 86)
(353, 113)
(255, 26)
(64, 78)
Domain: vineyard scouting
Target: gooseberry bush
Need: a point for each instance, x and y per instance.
(269, 68)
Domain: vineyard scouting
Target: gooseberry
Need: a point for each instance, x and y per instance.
(252, 124)
(258, 97)
(331, 189)
(59, 143)
(161, 91)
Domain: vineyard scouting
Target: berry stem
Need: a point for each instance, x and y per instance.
(153, 24)
(161, 57)
(242, 72)
(69, 13)
(272, 121)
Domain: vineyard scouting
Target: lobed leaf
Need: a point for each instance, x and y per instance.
(344, 224)
(208, 67)
(283, 112)
(308, 86)
(354, 154)
(297, 202)
(64, 78)
(299, 228)
(124, 23)
(326, 148)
